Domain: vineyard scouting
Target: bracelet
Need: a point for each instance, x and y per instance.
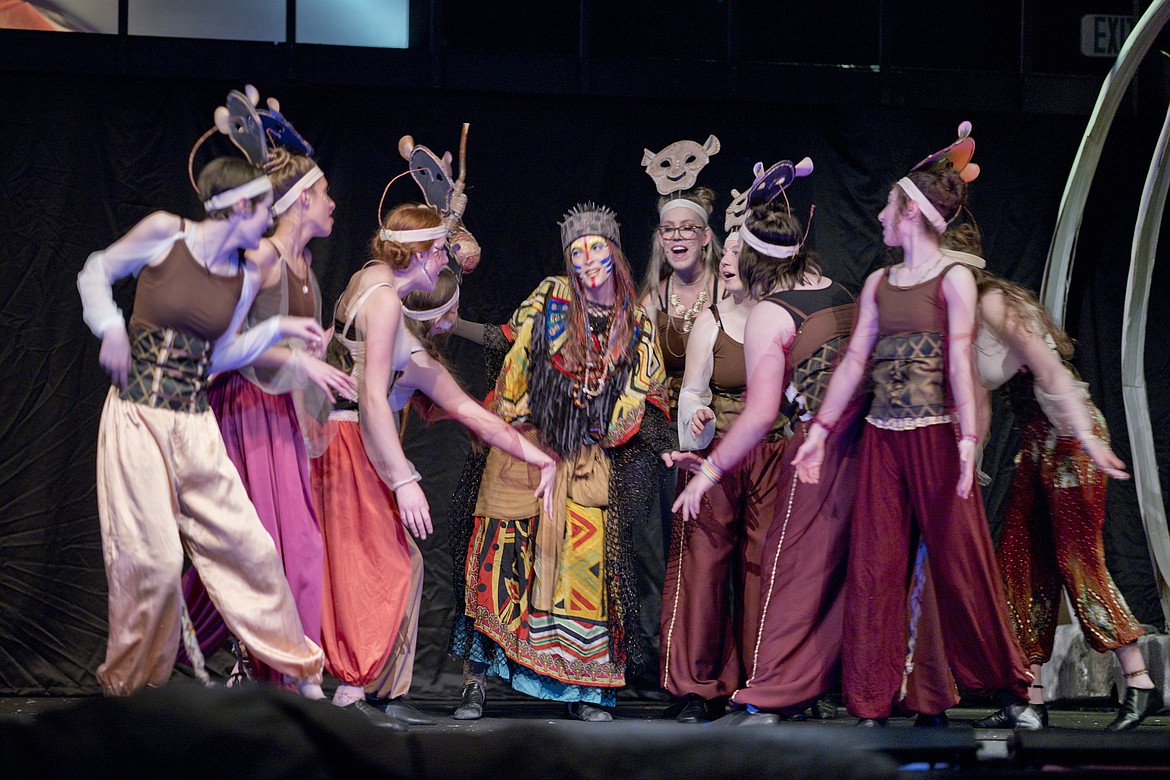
(414, 477)
(710, 471)
(1138, 673)
(969, 437)
(818, 421)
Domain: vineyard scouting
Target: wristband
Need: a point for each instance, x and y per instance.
(969, 437)
(818, 421)
(710, 471)
(414, 477)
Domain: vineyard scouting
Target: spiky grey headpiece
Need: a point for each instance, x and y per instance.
(589, 219)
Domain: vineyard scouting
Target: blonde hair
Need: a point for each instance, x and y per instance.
(659, 269)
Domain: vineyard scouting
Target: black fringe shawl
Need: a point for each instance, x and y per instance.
(635, 470)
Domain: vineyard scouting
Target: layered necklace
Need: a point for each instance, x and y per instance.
(685, 313)
(595, 372)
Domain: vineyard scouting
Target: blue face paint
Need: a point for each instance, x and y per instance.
(592, 259)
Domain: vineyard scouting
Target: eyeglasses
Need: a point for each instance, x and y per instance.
(685, 232)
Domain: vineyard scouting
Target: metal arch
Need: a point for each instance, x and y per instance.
(1133, 370)
(1058, 273)
(1058, 270)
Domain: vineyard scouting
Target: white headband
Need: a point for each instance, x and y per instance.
(245, 191)
(684, 203)
(763, 247)
(966, 258)
(313, 176)
(928, 210)
(410, 236)
(426, 315)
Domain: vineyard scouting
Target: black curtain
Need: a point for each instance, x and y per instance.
(84, 158)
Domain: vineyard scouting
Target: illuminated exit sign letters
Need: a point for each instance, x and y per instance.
(1102, 35)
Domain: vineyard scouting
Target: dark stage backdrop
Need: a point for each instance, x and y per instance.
(82, 159)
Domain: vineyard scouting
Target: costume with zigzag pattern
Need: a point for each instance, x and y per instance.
(575, 642)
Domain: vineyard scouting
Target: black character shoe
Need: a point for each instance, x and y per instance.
(579, 710)
(471, 704)
(925, 721)
(375, 716)
(1022, 717)
(1042, 711)
(404, 712)
(824, 709)
(871, 723)
(1139, 704)
(694, 709)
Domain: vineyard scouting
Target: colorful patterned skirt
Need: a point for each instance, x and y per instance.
(562, 654)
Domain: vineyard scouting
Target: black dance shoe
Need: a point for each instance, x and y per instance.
(925, 721)
(403, 712)
(375, 716)
(579, 710)
(871, 723)
(1022, 717)
(1139, 704)
(694, 709)
(824, 709)
(471, 703)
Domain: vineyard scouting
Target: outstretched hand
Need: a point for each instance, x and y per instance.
(691, 498)
(1104, 458)
(687, 461)
(414, 510)
(811, 456)
(333, 381)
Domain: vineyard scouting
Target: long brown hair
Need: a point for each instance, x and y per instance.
(1023, 307)
(622, 319)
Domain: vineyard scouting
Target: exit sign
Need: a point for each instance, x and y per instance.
(1102, 34)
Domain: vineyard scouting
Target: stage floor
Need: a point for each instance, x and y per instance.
(639, 743)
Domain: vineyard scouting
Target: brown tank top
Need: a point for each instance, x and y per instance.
(824, 319)
(181, 294)
(300, 296)
(673, 343)
(728, 370)
(919, 308)
(909, 361)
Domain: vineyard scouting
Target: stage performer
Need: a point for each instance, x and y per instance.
(548, 597)
(711, 596)
(364, 487)
(793, 338)
(916, 320)
(682, 278)
(159, 447)
(1051, 534)
(257, 406)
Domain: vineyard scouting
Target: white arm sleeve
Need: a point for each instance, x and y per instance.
(234, 349)
(696, 387)
(125, 257)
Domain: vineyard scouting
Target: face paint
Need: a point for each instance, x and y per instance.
(592, 259)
